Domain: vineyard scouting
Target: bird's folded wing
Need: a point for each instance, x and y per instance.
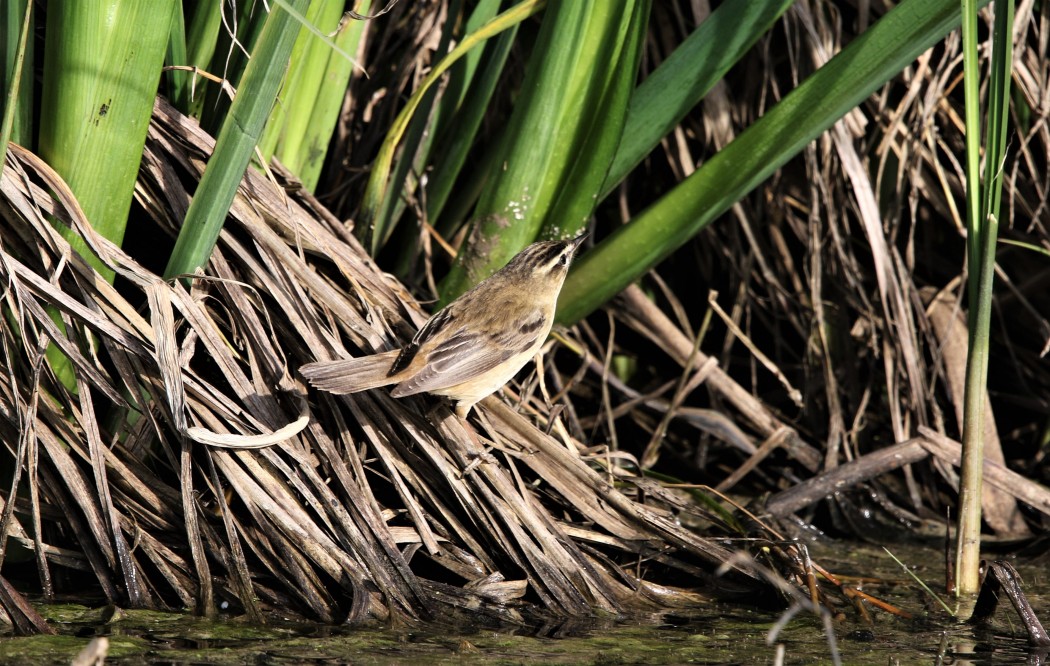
(460, 358)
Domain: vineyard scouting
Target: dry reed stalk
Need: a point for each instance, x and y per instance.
(234, 483)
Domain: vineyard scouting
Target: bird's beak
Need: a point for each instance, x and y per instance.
(579, 239)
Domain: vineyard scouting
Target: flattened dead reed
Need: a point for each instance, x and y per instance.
(190, 465)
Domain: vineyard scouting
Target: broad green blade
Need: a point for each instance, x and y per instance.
(845, 81)
(562, 134)
(102, 63)
(236, 141)
(305, 68)
(580, 187)
(655, 107)
(680, 82)
(305, 144)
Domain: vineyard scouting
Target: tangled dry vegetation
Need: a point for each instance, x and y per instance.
(831, 355)
(366, 507)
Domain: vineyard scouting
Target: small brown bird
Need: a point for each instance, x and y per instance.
(475, 344)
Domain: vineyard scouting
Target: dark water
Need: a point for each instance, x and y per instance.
(717, 634)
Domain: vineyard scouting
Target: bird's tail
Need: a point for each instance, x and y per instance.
(351, 375)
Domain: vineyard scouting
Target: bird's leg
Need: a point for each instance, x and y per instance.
(476, 452)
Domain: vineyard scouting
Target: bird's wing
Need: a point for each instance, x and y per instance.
(434, 325)
(466, 354)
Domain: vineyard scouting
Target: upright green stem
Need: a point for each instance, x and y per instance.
(982, 217)
(968, 544)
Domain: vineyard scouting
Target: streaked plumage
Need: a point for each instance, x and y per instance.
(475, 344)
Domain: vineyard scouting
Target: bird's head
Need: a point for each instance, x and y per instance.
(546, 261)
